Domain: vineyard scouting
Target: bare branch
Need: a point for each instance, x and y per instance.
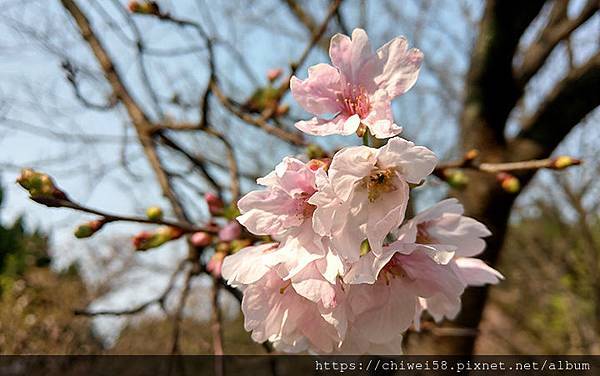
(568, 103)
(161, 299)
(558, 29)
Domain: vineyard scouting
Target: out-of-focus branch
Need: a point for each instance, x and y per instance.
(491, 92)
(139, 119)
(306, 19)
(468, 162)
(178, 315)
(215, 318)
(160, 300)
(558, 29)
(71, 75)
(317, 35)
(291, 137)
(197, 162)
(108, 218)
(566, 105)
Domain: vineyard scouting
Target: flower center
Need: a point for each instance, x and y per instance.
(354, 100)
(423, 236)
(303, 208)
(380, 181)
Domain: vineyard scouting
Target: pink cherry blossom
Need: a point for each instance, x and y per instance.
(444, 223)
(358, 88)
(273, 311)
(366, 192)
(384, 290)
(283, 207)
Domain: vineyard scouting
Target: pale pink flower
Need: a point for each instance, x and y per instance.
(283, 207)
(274, 311)
(444, 224)
(249, 264)
(366, 192)
(384, 290)
(358, 88)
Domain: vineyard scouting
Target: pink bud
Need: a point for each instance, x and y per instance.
(201, 239)
(215, 204)
(230, 232)
(214, 264)
(273, 74)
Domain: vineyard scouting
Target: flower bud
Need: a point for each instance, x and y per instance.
(457, 179)
(563, 161)
(39, 184)
(215, 204)
(146, 240)
(273, 74)
(154, 213)
(201, 239)
(230, 231)
(471, 154)
(144, 7)
(133, 6)
(509, 182)
(215, 263)
(282, 109)
(88, 229)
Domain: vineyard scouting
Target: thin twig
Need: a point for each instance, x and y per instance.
(107, 217)
(127, 312)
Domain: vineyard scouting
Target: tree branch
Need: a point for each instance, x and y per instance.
(568, 103)
(139, 119)
(558, 29)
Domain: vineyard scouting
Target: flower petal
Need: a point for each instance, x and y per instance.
(413, 162)
(380, 120)
(400, 66)
(476, 272)
(350, 55)
(318, 93)
(322, 127)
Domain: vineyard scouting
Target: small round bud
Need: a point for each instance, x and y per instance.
(230, 231)
(457, 179)
(215, 204)
(273, 74)
(564, 161)
(509, 182)
(201, 239)
(133, 6)
(282, 109)
(215, 263)
(471, 154)
(154, 213)
(88, 229)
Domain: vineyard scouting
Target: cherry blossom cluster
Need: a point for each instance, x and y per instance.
(344, 271)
